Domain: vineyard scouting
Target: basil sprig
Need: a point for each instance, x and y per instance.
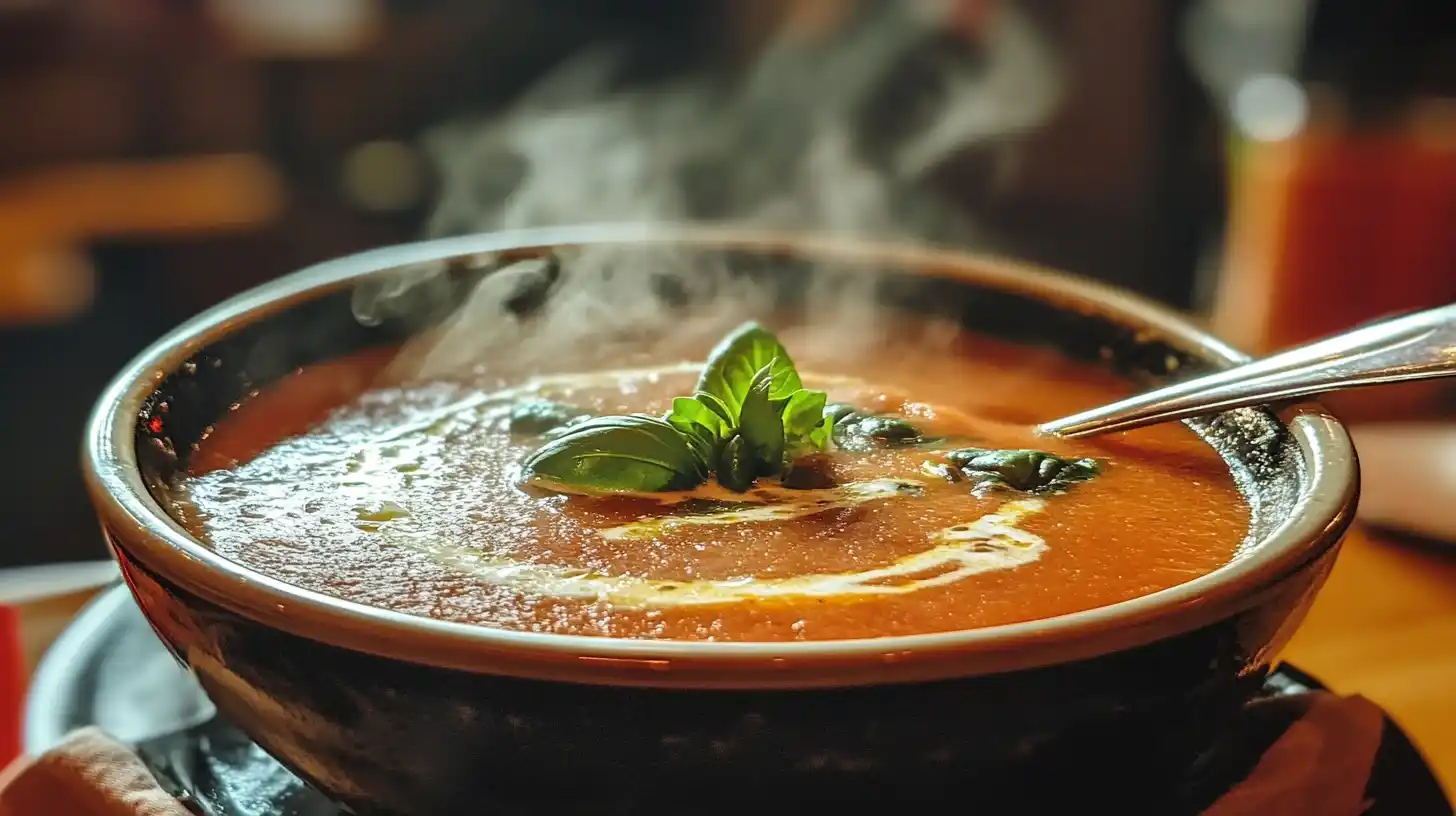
(750, 417)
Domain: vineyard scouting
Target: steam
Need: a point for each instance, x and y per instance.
(807, 139)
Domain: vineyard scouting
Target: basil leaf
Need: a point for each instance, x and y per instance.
(760, 426)
(533, 417)
(887, 429)
(807, 426)
(618, 454)
(705, 449)
(857, 432)
(718, 407)
(733, 363)
(692, 415)
(703, 429)
(735, 466)
(1028, 471)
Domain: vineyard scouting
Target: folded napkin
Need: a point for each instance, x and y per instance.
(1319, 764)
(89, 774)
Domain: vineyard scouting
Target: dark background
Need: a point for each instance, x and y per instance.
(1124, 183)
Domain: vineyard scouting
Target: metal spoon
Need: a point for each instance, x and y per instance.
(1416, 346)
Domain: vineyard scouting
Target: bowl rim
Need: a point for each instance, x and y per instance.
(136, 525)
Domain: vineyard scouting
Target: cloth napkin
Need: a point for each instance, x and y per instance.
(1319, 765)
(89, 774)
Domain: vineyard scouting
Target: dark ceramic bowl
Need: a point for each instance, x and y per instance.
(390, 713)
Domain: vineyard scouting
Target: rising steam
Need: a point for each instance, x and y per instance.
(800, 141)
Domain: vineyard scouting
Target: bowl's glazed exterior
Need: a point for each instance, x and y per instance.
(393, 714)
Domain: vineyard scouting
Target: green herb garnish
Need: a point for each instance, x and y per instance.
(807, 428)
(616, 454)
(760, 425)
(837, 411)
(735, 465)
(1029, 471)
(733, 364)
(750, 417)
(854, 431)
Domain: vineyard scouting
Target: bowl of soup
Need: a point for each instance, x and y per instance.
(604, 518)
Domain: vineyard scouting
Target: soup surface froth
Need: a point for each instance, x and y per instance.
(402, 494)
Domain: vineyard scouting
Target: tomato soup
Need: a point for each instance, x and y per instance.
(411, 495)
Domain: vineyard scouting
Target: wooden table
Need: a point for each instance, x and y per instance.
(1384, 627)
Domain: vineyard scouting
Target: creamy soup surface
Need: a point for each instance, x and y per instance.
(402, 494)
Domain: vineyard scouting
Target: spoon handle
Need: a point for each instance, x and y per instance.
(1411, 347)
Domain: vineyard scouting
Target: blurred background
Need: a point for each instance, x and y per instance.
(1281, 168)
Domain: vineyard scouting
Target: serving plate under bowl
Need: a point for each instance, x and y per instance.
(394, 713)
